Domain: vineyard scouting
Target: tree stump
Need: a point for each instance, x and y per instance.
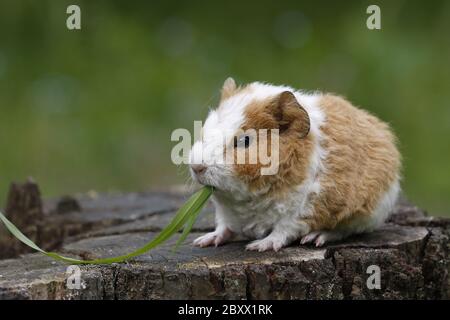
(411, 252)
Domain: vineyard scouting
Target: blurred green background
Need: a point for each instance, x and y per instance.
(94, 109)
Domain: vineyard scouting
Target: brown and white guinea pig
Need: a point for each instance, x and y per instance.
(338, 173)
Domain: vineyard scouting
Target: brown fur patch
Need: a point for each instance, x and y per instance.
(295, 144)
(362, 163)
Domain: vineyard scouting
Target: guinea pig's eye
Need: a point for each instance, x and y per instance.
(242, 141)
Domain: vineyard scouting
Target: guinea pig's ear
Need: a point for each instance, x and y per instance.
(229, 87)
(290, 115)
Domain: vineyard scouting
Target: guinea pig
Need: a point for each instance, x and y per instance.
(338, 168)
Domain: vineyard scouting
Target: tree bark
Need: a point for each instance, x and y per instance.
(411, 252)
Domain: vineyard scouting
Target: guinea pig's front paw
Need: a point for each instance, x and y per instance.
(270, 242)
(215, 238)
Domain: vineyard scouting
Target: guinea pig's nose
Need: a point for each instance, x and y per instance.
(198, 168)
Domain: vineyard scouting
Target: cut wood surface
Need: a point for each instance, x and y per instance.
(411, 251)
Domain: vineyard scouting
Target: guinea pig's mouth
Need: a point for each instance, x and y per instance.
(201, 179)
(213, 176)
(204, 182)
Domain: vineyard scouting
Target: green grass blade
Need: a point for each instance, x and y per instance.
(188, 226)
(18, 234)
(186, 215)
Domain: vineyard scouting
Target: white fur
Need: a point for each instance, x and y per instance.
(385, 205)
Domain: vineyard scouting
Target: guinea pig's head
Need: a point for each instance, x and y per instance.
(257, 141)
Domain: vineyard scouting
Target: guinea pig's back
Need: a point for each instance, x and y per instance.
(362, 162)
